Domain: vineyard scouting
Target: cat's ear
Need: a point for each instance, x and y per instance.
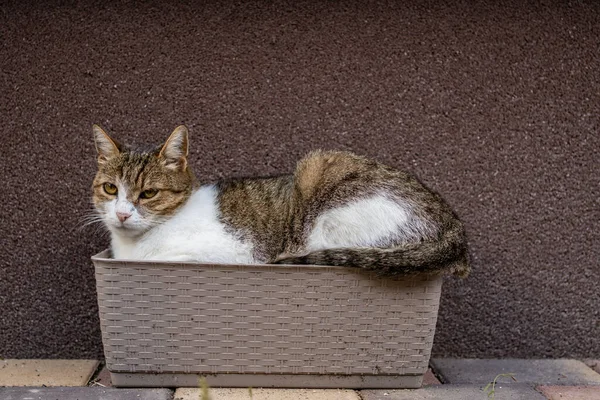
(175, 150)
(106, 147)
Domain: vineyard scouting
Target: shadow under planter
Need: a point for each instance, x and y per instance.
(168, 324)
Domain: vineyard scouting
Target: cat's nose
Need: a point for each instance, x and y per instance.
(123, 215)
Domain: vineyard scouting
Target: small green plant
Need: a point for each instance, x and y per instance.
(204, 389)
(490, 388)
(250, 392)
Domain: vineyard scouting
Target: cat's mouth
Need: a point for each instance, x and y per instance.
(127, 229)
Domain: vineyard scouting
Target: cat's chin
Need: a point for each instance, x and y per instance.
(126, 232)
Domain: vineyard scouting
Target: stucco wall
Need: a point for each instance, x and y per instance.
(496, 107)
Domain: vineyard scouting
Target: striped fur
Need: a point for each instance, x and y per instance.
(337, 208)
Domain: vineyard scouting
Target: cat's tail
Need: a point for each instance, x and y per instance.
(447, 254)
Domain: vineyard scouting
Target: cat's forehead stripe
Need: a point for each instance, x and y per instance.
(141, 165)
(133, 168)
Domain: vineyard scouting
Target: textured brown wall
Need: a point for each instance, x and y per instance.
(495, 106)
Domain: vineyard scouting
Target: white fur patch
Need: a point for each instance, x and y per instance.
(132, 226)
(373, 221)
(194, 233)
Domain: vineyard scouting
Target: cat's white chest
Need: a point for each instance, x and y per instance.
(195, 233)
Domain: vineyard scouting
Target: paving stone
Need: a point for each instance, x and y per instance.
(268, 394)
(514, 391)
(571, 392)
(546, 372)
(430, 379)
(593, 364)
(102, 379)
(83, 393)
(46, 372)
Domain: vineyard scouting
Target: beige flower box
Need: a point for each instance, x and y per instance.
(167, 324)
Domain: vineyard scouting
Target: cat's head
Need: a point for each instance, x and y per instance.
(134, 191)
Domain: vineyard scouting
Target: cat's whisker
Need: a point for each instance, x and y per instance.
(88, 220)
(88, 223)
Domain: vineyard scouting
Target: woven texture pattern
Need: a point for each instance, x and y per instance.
(210, 319)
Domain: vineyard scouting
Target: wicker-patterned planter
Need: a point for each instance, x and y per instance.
(167, 324)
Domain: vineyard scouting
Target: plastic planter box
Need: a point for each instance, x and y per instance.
(167, 324)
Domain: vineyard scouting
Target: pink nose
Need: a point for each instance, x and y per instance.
(123, 215)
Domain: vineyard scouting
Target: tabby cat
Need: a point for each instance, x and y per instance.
(336, 209)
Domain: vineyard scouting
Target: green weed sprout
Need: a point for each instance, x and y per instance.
(490, 388)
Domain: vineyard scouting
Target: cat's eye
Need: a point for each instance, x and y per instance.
(148, 194)
(110, 188)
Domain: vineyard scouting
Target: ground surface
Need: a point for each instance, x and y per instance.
(461, 380)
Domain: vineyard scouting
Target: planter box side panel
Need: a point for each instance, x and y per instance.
(215, 319)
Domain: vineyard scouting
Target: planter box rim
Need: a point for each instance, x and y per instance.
(104, 257)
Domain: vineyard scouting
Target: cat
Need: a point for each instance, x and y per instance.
(336, 209)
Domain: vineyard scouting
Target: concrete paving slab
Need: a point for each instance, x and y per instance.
(268, 394)
(83, 393)
(593, 364)
(430, 379)
(545, 372)
(513, 391)
(46, 372)
(571, 392)
(102, 379)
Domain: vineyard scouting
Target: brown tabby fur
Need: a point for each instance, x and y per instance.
(278, 213)
(144, 170)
